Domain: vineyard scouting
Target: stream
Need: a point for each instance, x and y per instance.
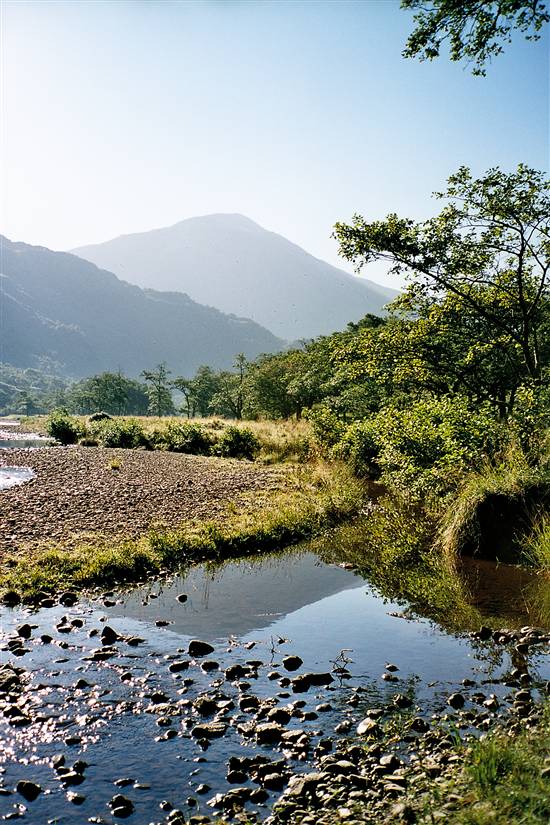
(110, 699)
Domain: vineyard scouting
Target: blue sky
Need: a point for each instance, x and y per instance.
(125, 116)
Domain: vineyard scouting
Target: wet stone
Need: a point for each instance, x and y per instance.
(292, 662)
(198, 649)
(28, 790)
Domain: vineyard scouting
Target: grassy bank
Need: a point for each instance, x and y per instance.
(315, 497)
(502, 779)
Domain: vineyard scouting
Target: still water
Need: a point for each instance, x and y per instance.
(256, 612)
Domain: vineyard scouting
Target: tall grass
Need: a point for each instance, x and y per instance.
(536, 546)
(512, 477)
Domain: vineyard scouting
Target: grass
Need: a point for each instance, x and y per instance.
(315, 497)
(502, 781)
(536, 546)
(512, 479)
(280, 441)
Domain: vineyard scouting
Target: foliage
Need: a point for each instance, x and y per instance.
(111, 392)
(424, 448)
(238, 442)
(474, 29)
(485, 257)
(158, 390)
(64, 428)
(185, 437)
(119, 432)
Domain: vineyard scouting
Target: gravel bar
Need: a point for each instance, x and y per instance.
(113, 492)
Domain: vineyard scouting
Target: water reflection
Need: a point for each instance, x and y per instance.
(13, 476)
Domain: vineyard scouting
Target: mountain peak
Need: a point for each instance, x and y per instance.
(228, 261)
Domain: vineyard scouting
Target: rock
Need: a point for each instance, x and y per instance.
(210, 665)
(205, 705)
(203, 789)
(292, 662)
(68, 598)
(301, 684)
(121, 806)
(390, 762)
(268, 733)
(236, 777)
(182, 598)
(279, 715)
(197, 648)
(419, 725)
(368, 727)
(109, 636)
(304, 784)
(391, 667)
(209, 730)
(28, 790)
(249, 703)
(235, 672)
(76, 798)
(456, 700)
(25, 631)
(177, 667)
(274, 782)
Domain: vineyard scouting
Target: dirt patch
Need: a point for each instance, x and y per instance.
(77, 490)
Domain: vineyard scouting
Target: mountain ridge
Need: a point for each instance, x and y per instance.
(58, 306)
(229, 261)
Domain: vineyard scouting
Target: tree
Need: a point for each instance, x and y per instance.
(474, 29)
(230, 396)
(488, 251)
(108, 391)
(158, 390)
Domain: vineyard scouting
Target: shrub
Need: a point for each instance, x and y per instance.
(183, 438)
(125, 433)
(327, 427)
(99, 416)
(238, 442)
(64, 427)
(424, 448)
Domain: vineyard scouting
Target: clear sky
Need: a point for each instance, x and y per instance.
(125, 116)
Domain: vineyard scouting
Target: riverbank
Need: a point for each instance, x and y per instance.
(79, 491)
(256, 510)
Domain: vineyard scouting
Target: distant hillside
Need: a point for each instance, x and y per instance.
(57, 306)
(230, 262)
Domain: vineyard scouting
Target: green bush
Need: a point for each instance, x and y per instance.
(238, 442)
(125, 433)
(184, 437)
(425, 447)
(327, 428)
(64, 427)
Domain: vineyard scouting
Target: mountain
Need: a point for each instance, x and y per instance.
(57, 306)
(232, 263)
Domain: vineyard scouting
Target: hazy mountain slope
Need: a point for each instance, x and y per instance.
(230, 262)
(55, 304)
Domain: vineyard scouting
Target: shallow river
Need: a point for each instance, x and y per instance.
(254, 612)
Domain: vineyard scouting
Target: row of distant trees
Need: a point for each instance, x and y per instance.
(157, 392)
